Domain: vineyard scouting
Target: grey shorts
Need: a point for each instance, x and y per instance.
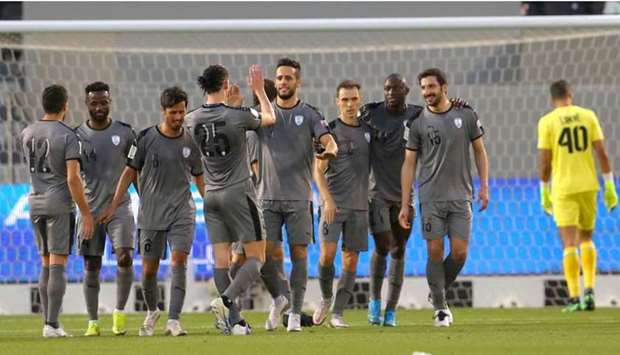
(232, 215)
(54, 234)
(452, 218)
(382, 214)
(352, 224)
(152, 243)
(297, 216)
(120, 230)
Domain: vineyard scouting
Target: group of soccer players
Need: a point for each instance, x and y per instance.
(364, 164)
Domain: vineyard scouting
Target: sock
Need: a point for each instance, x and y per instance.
(271, 277)
(326, 280)
(395, 282)
(588, 263)
(285, 286)
(435, 276)
(222, 281)
(344, 291)
(377, 273)
(299, 278)
(451, 269)
(571, 271)
(55, 292)
(248, 273)
(43, 279)
(91, 288)
(149, 292)
(234, 269)
(124, 281)
(177, 291)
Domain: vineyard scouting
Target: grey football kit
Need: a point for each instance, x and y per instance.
(443, 142)
(104, 152)
(387, 154)
(347, 180)
(167, 210)
(47, 146)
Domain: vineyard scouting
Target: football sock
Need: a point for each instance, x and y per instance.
(326, 280)
(55, 292)
(271, 277)
(571, 271)
(177, 291)
(234, 269)
(395, 282)
(43, 279)
(435, 276)
(222, 281)
(299, 278)
(91, 288)
(588, 263)
(451, 269)
(378, 265)
(149, 292)
(124, 281)
(248, 273)
(285, 286)
(344, 291)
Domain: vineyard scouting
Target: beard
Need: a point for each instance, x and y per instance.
(287, 95)
(433, 100)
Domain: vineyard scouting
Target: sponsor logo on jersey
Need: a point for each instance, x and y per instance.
(186, 152)
(458, 122)
(132, 152)
(367, 136)
(299, 119)
(116, 140)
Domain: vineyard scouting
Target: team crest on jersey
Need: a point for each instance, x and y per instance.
(116, 140)
(299, 119)
(458, 122)
(186, 152)
(367, 136)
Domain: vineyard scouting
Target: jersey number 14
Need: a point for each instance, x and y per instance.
(575, 138)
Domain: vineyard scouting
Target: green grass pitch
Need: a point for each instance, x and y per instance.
(476, 331)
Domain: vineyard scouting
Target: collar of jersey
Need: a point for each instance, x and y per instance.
(213, 105)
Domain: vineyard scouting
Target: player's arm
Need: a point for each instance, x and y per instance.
(329, 208)
(200, 185)
(544, 172)
(76, 188)
(407, 178)
(254, 167)
(257, 83)
(127, 177)
(482, 164)
(330, 147)
(610, 196)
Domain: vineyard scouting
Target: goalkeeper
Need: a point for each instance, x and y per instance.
(568, 188)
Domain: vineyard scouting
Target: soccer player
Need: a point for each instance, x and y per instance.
(387, 152)
(440, 139)
(231, 211)
(343, 185)
(284, 189)
(105, 144)
(164, 158)
(567, 136)
(53, 153)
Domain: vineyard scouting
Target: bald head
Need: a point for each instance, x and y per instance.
(395, 92)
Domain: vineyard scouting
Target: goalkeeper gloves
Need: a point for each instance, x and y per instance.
(545, 197)
(610, 196)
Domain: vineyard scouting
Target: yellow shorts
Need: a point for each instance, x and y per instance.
(575, 210)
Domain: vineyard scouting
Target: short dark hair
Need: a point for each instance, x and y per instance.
(54, 99)
(212, 79)
(172, 96)
(437, 73)
(559, 90)
(270, 90)
(288, 62)
(96, 86)
(347, 84)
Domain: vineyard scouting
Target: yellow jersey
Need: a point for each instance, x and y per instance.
(569, 132)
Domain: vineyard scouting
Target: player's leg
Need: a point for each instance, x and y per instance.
(587, 248)
(92, 251)
(329, 234)
(271, 273)
(152, 244)
(379, 218)
(396, 272)
(39, 227)
(181, 238)
(566, 216)
(237, 258)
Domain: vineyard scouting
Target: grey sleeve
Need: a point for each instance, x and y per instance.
(250, 118)
(131, 140)
(73, 147)
(414, 142)
(197, 168)
(137, 153)
(474, 129)
(319, 126)
(253, 146)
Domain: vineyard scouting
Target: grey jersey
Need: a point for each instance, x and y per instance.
(103, 161)
(165, 167)
(253, 146)
(387, 151)
(347, 174)
(287, 153)
(47, 146)
(443, 141)
(219, 131)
